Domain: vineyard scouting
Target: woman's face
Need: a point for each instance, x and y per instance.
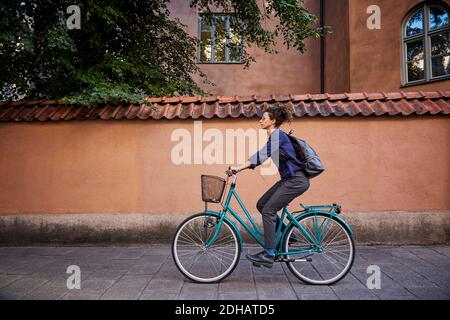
(266, 122)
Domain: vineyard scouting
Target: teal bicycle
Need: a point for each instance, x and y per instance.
(316, 244)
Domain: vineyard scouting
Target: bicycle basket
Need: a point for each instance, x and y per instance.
(212, 188)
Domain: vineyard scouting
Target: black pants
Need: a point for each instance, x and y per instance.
(278, 196)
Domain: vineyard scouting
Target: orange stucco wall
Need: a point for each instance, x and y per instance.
(336, 44)
(375, 55)
(356, 59)
(284, 73)
(372, 164)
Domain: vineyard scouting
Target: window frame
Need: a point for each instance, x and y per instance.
(425, 36)
(213, 33)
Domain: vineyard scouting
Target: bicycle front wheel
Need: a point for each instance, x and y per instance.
(330, 257)
(201, 264)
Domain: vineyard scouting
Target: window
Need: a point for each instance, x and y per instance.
(220, 39)
(426, 46)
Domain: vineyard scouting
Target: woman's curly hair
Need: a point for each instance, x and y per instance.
(281, 114)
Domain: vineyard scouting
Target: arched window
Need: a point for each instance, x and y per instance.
(426, 44)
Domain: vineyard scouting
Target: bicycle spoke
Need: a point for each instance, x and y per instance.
(333, 257)
(206, 264)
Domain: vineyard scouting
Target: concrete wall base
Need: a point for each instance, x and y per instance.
(395, 228)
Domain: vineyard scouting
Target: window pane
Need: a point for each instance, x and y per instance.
(414, 50)
(440, 44)
(205, 38)
(235, 54)
(415, 70)
(440, 66)
(220, 38)
(415, 24)
(438, 17)
(234, 34)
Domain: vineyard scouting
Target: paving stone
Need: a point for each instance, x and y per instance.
(146, 269)
(46, 292)
(97, 285)
(7, 279)
(122, 263)
(52, 251)
(398, 293)
(108, 274)
(164, 285)
(152, 259)
(229, 286)
(266, 293)
(149, 272)
(354, 294)
(129, 253)
(238, 296)
(121, 294)
(430, 293)
(132, 282)
(444, 250)
(318, 296)
(78, 295)
(158, 250)
(20, 288)
(192, 291)
(158, 295)
(301, 289)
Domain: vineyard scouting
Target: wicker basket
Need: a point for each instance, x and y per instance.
(212, 188)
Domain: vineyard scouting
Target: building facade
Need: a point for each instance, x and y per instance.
(364, 52)
(75, 174)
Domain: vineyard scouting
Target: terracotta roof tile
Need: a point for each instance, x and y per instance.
(186, 110)
(325, 108)
(339, 108)
(153, 100)
(406, 108)
(245, 98)
(227, 99)
(190, 99)
(145, 112)
(355, 96)
(374, 96)
(105, 112)
(210, 99)
(325, 105)
(339, 96)
(58, 112)
(263, 98)
(365, 108)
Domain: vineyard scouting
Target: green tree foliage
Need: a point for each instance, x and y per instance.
(124, 50)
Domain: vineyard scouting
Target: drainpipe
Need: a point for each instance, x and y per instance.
(322, 48)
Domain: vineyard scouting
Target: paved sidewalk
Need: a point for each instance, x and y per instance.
(408, 272)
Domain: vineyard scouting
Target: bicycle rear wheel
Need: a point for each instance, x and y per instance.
(330, 260)
(201, 264)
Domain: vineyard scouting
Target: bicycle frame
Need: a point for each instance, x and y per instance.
(258, 235)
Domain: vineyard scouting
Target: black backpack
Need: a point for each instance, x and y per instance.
(312, 166)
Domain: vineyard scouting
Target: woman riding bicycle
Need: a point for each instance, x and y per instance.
(293, 181)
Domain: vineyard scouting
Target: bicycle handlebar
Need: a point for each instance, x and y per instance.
(230, 172)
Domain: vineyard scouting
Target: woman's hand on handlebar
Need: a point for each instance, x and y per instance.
(235, 169)
(232, 170)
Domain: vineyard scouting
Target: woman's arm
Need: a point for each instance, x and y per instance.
(241, 167)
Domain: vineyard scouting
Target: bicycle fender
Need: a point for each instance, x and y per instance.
(233, 225)
(311, 212)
